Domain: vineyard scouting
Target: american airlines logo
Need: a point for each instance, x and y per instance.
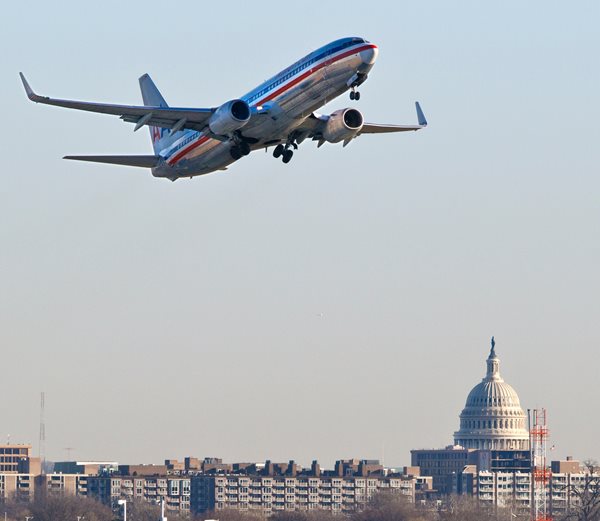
(157, 133)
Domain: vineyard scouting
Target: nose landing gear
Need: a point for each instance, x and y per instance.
(358, 79)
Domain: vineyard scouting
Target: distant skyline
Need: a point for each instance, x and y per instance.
(339, 306)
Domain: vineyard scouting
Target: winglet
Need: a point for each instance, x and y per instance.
(30, 94)
(420, 115)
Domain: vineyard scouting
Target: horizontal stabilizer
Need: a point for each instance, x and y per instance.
(141, 161)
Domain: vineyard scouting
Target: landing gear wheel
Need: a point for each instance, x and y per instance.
(287, 156)
(244, 148)
(352, 95)
(357, 96)
(235, 152)
(279, 149)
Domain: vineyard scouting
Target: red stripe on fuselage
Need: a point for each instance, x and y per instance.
(189, 148)
(269, 97)
(305, 75)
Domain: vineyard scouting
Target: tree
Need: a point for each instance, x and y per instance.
(585, 497)
(52, 508)
(469, 508)
(15, 509)
(231, 514)
(313, 515)
(463, 508)
(140, 510)
(389, 506)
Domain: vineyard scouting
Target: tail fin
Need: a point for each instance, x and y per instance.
(152, 97)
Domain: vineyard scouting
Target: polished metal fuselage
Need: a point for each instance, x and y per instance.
(282, 105)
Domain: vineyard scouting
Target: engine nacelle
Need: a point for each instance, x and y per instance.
(343, 124)
(229, 117)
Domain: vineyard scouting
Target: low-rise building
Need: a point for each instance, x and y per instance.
(17, 459)
(90, 468)
(152, 489)
(17, 486)
(287, 487)
(514, 489)
(61, 484)
(143, 470)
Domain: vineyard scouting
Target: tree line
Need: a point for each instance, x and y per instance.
(383, 507)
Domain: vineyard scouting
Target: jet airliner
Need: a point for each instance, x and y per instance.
(279, 113)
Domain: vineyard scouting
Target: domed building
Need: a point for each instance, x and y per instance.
(493, 418)
(493, 435)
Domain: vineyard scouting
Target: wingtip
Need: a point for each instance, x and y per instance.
(420, 116)
(28, 90)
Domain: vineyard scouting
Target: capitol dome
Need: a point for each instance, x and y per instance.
(492, 418)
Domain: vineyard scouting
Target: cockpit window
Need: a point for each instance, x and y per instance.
(358, 40)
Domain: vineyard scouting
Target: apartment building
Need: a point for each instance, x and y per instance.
(514, 489)
(17, 459)
(91, 468)
(17, 486)
(61, 484)
(26, 487)
(174, 490)
(503, 489)
(269, 494)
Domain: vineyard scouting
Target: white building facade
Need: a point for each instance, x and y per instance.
(492, 418)
(270, 494)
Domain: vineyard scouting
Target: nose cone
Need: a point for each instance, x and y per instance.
(368, 56)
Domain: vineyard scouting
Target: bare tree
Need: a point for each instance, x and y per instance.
(389, 506)
(463, 508)
(15, 509)
(52, 508)
(231, 514)
(585, 497)
(313, 515)
(469, 508)
(140, 510)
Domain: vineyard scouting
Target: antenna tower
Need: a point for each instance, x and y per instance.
(42, 444)
(540, 474)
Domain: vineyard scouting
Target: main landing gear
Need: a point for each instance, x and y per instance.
(284, 151)
(354, 94)
(240, 149)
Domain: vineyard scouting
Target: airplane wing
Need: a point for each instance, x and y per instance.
(377, 128)
(313, 127)
(169, 117)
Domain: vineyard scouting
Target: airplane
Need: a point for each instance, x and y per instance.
(279, 113)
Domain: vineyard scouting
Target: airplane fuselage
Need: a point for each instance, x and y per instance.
(281, 112)
(285, 101)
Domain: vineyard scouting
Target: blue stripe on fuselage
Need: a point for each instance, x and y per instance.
(301, 65)
(268, 86)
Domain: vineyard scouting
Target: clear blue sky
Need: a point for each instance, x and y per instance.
(324, 309)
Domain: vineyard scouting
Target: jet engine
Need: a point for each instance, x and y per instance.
(229, 117)
(342, 124)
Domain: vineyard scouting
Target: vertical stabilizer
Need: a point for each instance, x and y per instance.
(153, 98)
